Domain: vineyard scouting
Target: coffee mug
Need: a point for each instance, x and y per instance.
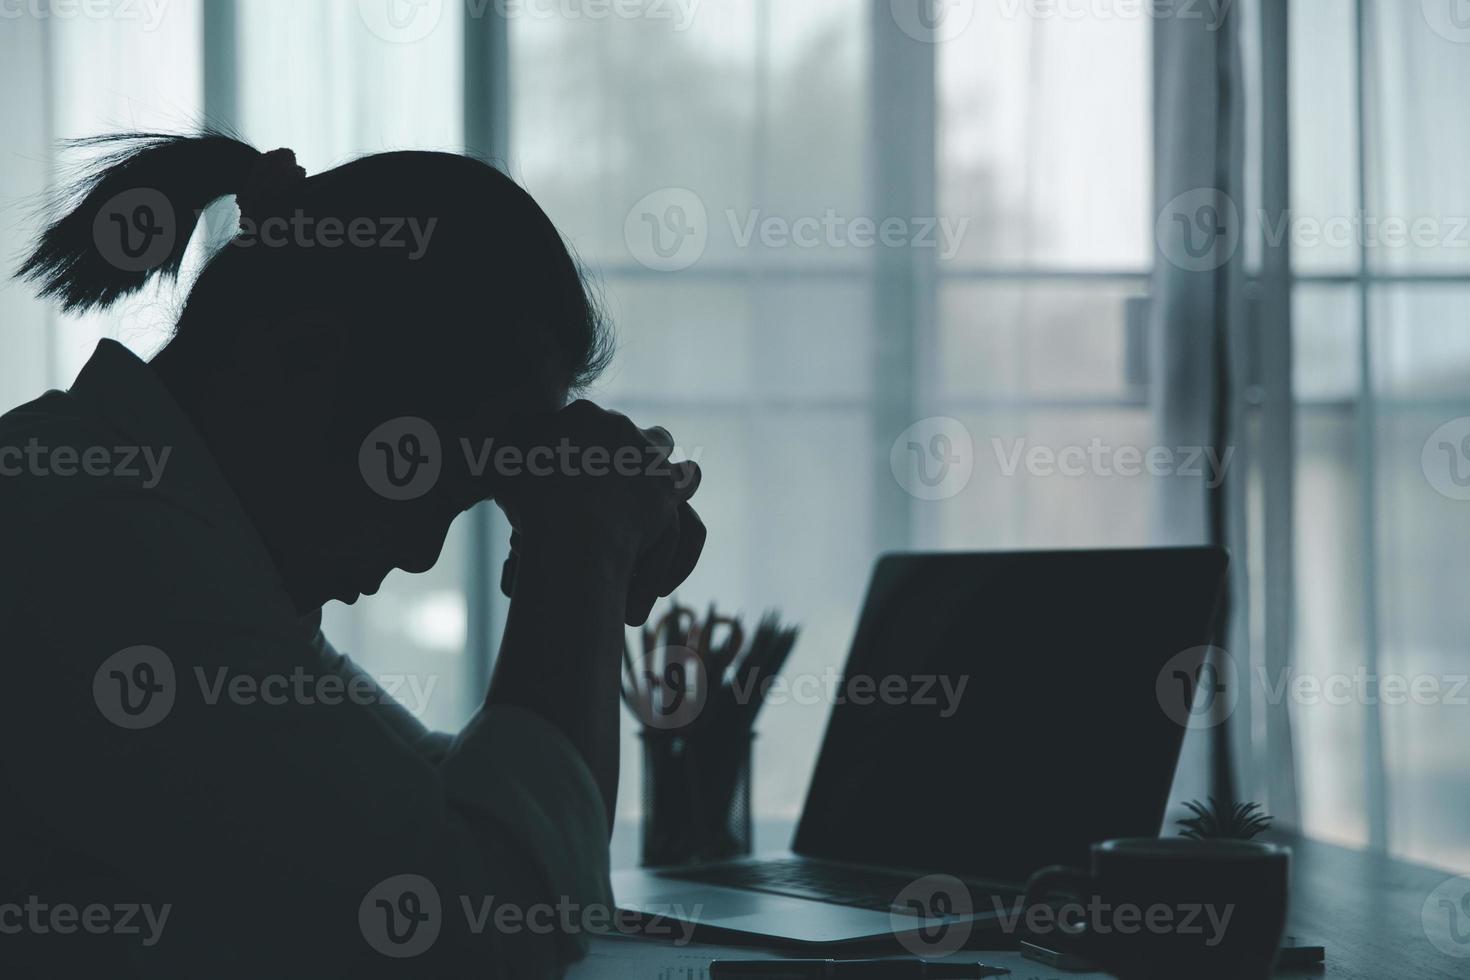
(1166, 908)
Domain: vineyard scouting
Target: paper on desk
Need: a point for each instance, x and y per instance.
(639, 959)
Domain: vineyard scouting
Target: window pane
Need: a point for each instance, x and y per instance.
(1419, 135)
(1421, 347)
(369, 87)
(759, 145)
(1035, 484)
(597, 126)
(1423, 540)
(678, 339)
(1330, 739)
(140, 73)
(816, 340)
(1324, 134)
(1052, 167)
(1039, 340)
(1325, 334)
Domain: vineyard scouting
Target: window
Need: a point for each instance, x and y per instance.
(771, 347)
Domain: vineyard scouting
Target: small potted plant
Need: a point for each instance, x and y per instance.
(1211, 821)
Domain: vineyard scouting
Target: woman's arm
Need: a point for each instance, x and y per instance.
(560, 655)
(582, 535)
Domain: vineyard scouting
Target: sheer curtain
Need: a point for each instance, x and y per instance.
(1382, 390)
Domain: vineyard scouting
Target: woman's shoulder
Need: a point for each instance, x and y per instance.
(75, 495)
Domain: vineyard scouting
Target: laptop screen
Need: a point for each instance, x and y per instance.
(1002, 712)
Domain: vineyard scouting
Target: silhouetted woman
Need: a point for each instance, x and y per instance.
(195, 782)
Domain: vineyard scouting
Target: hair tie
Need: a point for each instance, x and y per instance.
(273, 176)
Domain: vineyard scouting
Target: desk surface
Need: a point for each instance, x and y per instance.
(1367, 910)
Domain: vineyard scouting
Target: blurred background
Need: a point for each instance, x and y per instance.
(1240, 226)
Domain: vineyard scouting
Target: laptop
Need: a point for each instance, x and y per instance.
(1060, 737)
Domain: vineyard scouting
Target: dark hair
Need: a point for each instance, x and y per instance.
(490, 255)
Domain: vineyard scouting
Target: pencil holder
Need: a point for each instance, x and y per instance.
(696, 797)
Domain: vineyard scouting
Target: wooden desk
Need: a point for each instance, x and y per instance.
(1367, 910)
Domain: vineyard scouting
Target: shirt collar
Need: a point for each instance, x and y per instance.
(120, 388)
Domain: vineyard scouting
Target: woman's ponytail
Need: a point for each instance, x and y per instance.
(134, 210)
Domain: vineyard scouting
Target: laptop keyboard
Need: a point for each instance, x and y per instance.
(796, 878)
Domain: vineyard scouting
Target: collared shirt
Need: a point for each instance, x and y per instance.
(169, 807)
